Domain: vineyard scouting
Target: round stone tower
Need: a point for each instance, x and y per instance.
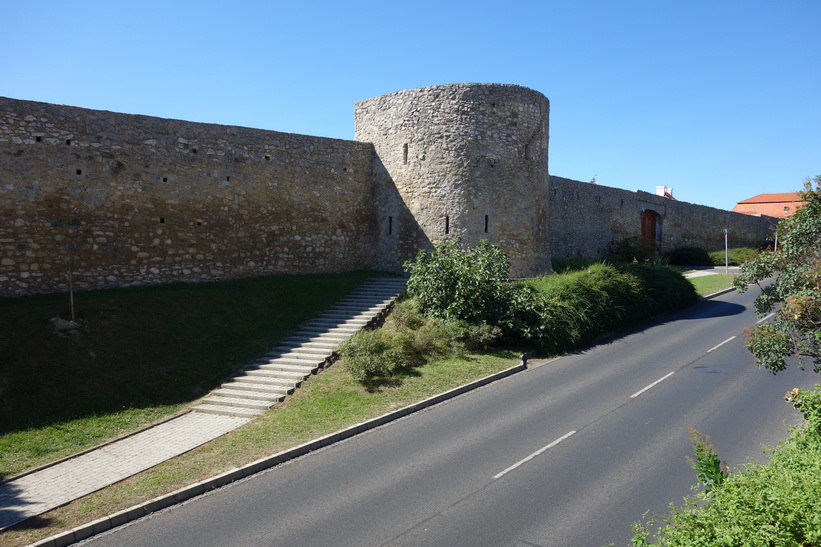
(460, 159)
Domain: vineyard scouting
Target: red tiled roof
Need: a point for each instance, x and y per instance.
(784, 197)
(774, 205)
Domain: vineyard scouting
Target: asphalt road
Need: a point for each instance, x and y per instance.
(570, 452)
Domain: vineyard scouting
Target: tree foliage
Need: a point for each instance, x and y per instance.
(795, 295)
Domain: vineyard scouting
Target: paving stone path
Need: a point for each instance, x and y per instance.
(250, 393)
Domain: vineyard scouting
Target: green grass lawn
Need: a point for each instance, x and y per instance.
(709, 284)
(139, 354)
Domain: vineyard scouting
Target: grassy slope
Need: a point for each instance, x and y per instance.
(141, 354)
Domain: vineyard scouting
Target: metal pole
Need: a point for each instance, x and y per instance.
(726, 253)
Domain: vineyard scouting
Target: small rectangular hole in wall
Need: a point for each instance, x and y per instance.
(390, 225)
(79, 171)
(68, 142)
(165, 179)
(193, 150)
(228, 178)
(38, 139)
(447, 224)
(267, 157)
(486, 222)
(405, 154)
(199, 223)
(162, 220)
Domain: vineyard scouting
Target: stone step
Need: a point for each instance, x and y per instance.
(302, 352)
(283, 370)
(250, 404)
(273, 397)
(292, 345)
(364, 301)
(268, 382)
(298, 352)
(369, 310)
(273, 367)
(358, 323)
(309, 338)
(371, 295)
(272, 387)
(228, 411)
(343, 317)
(329, 330)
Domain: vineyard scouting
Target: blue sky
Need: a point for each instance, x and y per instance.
(720, 100)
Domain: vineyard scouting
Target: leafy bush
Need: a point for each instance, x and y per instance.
(547, 324)
(735, 257)
(376, 353)
(692, 256)
(409, 339)
(602, 297)
(665, 288)
(454, 282)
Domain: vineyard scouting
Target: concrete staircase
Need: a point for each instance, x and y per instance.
(280, 372)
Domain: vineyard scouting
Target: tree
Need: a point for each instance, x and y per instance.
(795, 295)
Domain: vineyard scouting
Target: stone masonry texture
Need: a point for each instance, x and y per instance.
(467, 159)
(137, 200)
(119, 199)
(586, 219)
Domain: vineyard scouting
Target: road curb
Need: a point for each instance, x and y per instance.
(133, 513)
(719, 293)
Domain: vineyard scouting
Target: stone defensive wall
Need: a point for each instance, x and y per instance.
(587, 219)
(120, 199)
(466, 159)
(133, 199)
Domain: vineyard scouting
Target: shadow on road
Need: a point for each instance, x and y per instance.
(711, 308)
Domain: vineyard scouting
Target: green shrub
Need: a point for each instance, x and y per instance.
(455, 282)
(409, 339)
(736, 257)
(544, 323)
(602, 297)
(665, 288)
(376, 353)
(691, 256)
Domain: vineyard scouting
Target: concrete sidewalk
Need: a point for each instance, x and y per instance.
(59, 484)
(711, 271)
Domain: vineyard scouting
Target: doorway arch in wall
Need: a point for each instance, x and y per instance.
(651, 229)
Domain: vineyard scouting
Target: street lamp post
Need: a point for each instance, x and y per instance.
(726, 253)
